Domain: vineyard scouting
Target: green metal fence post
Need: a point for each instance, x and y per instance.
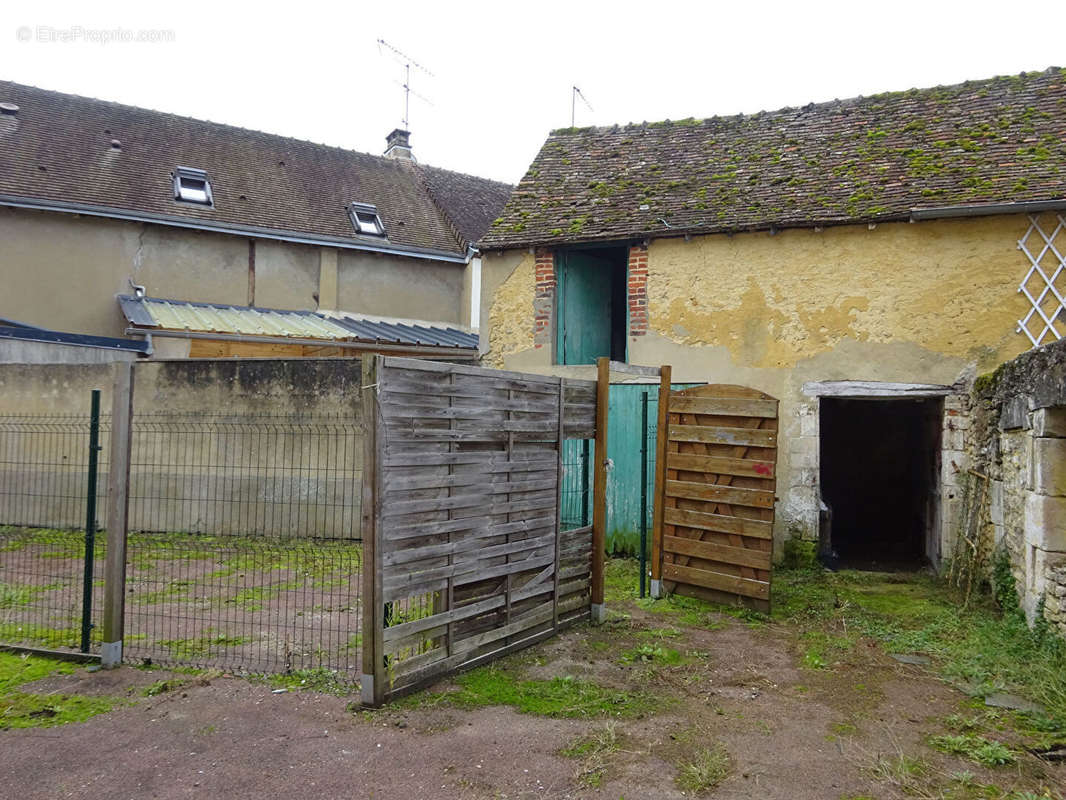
(90, 522)
(584, 483)
(643, 490)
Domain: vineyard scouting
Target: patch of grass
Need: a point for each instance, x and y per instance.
(201, 646)
(32, 634)
(254, 598)
(986, 752)
(173, 589)
(704, 770)
(560, 697)
(648, 653)
(162, 687)
(594, 751)
(900, 770)
(24, 710)
(822, 650)
(12, 595)
(319, 679)
(980, 645)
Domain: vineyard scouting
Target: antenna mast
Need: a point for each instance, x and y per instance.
(573, 105)
(407, 62)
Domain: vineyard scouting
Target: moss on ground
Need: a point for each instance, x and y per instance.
(560, 697)
(19, 709)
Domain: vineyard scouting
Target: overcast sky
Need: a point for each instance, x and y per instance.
(502, 72)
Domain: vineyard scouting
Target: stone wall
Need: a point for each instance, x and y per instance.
(1019, 442)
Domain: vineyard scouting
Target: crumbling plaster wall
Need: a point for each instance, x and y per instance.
(1019, 416)
(929, 302)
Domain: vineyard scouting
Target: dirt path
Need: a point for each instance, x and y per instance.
(858, 730)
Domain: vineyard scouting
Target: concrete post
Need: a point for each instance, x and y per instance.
(118, 504)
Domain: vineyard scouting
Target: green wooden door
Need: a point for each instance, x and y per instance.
(584, 318)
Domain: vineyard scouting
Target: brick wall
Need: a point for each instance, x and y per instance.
(544, 297)
(638, 290)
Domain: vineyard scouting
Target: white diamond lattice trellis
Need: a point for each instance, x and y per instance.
(1041, 285)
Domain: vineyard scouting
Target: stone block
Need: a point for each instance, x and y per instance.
(1015, 413)
(953, 440)
(995, 502)
(804, 476)
(1050, 422)
(1045, 522)
(956, 402)
(1049, 466)
(803, 452)
(809, 422)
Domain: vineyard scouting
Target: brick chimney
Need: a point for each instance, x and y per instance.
(399, 145)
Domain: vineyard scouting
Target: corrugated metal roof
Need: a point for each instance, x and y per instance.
(151, 312)
(34, 334)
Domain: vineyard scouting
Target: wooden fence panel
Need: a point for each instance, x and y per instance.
(472, 559)
(716, 494)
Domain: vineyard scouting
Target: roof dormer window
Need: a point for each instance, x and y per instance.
(191, 186)
(366, 219)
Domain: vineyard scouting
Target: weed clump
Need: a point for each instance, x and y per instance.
(705, 770)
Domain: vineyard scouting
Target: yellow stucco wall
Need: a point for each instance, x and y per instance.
(948, 287)
(929, 302)
(508, 284)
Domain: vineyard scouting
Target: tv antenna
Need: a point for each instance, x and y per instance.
(573, 105)
(407, 63)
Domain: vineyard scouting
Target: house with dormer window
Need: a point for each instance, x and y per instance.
(209, 240)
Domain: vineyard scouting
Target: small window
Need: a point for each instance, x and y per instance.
(366, 220)
(191, 186)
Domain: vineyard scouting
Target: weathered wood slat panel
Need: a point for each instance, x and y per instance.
(724, 406)
(713, 435)
(756, 498)
(712, 551)
(718, 481)
(468, 535)
(721, 465)
(718, 580)
(722, 523)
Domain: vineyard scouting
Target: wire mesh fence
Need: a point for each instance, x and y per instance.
(45, 559)
(576, 493)
(245, 549)
(41, 587)
(253, 604)
(287, 477)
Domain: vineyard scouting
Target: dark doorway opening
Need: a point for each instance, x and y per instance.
(880, 481)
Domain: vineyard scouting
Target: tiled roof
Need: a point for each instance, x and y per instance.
(470, 203)
(868, 158)
(58, 147)
(153, 312)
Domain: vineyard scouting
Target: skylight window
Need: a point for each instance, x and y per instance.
(366, 220)
(192, 186)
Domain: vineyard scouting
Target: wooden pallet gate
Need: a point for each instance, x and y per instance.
(716, 474)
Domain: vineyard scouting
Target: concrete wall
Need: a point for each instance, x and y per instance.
(271, 447)
(22, 351)
(1019, 442)
(400, 287)
(63, 271)
(930, 302)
